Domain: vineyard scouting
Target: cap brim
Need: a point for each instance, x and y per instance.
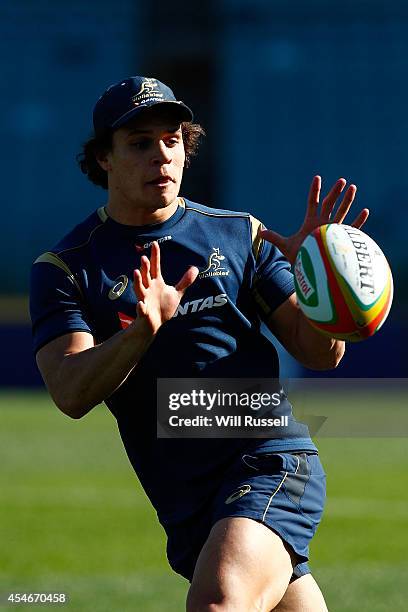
(181, 111)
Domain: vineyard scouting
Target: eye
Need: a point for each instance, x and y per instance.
(141, 145)
(172, 142)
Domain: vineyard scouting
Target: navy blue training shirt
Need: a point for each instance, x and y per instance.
(85, 284)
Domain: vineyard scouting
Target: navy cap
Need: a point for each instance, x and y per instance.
(124, 100)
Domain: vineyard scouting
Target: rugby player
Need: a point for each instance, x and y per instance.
(153, 285)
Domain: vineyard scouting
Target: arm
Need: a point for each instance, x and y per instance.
(307, 345)
(80, 375)
(287, 322)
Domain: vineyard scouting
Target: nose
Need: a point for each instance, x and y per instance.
(161, 155)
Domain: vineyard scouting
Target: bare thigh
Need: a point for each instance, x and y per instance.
(244, 566)
(302, 595)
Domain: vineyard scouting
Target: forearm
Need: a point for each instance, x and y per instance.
(315, 350)
(305, 343)
(86, 378)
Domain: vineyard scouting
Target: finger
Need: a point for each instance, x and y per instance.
(330, 200)
(145, 270)
(274, 238)
(141, 309)
(345, 204)
(138, 285)
(186, 280)
(361, 218)
(313, 197)
(155, 270)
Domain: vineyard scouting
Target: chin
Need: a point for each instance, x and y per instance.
(166, 199)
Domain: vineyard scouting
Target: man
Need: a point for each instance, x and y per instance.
(239, 514)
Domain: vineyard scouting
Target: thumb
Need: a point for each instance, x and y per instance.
(141, 309)
(273, 237)
(187, 279)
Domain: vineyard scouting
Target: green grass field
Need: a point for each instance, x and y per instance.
(73, 518)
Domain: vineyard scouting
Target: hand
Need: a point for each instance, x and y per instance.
(290, 245)
(157, 302)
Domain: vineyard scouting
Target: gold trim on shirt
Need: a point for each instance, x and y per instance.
(53, 259)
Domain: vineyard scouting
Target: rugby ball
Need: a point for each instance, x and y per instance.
(343, 282)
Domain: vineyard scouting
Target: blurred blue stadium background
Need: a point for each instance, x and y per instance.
(284, 90)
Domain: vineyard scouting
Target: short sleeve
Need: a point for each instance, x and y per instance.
(272, 282)
(56, 302)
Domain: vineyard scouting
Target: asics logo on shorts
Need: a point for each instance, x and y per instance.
(238, 493)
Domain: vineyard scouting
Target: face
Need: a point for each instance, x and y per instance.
(145, 165)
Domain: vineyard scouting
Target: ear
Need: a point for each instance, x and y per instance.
(103, 159)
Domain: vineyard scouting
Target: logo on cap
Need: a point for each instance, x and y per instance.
(149, 91)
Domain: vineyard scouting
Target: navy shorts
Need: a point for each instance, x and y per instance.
(283, 490)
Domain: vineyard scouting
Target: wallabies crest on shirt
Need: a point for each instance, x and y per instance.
(214, 267)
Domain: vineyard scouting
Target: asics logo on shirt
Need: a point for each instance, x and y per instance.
(118, 288)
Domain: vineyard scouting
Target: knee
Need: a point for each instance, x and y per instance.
(195, 604)
(219, 591)
(205, 602)
(202, 601)
(205, 607)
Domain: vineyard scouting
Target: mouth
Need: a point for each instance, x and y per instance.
(161, 181)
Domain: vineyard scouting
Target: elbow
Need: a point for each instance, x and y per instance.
(329, 360)
(337, 354)
(71, 396)
(71, 407)
(70, 410)
(72, 413)
(338, 357)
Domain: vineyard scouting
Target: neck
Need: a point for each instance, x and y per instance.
(144, 216)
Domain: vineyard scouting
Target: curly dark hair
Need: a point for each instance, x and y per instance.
(102, 143)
